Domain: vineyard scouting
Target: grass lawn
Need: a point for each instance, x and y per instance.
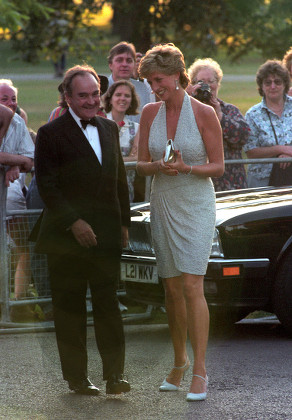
(9, 64)
(39, 97)
(243, 94)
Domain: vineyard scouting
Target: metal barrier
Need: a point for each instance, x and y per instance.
(24, 274)
(24, 280)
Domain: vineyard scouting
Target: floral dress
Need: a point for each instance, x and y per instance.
(235, 132)
(127, 133)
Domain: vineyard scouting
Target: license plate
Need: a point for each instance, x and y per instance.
(139, 273)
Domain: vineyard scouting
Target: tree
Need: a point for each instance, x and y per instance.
(268, 29)
(202, 26)
(66, 26)
(14, 13)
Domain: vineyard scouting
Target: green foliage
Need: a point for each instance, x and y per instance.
(15, 13)
(268, 29)
(65, 26)
(51, 27)
(201, 27)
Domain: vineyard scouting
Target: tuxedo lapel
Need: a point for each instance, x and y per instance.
(105, 138)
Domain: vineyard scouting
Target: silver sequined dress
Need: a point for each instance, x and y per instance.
(183, 206)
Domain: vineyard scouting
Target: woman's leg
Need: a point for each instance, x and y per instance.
(198, 326)
(177, 321)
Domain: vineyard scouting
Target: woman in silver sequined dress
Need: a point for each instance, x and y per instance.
(182, 204)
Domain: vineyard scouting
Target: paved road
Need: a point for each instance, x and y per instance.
(249, 368)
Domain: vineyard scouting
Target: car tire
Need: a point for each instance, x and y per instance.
(282, 293)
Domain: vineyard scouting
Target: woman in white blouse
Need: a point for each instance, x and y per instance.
(120, 101)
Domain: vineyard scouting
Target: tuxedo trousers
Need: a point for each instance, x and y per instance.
(70, 276)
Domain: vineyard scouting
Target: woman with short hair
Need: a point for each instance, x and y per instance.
(182, 204)
(235, 129)
(270, 122)
(119, 101)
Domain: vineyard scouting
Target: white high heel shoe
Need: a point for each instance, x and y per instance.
(201, 396)
(166, 386)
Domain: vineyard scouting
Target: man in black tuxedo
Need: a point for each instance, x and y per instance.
(81, 179)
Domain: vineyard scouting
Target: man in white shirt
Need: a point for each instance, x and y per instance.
(82, 181)
(16, 145)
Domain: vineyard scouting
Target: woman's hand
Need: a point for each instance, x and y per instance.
(216, 105)
(179, 165)
(284, 165)
(167, 168)
(213, 102)
(192, 89)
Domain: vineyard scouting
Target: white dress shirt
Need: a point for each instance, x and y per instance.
(92, 135)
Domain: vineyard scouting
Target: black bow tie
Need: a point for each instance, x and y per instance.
(92, 121)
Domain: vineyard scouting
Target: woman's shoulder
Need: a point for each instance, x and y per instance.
(201, 110)
(254, 109)
(149, 112)
(227, 105)
(152, 107)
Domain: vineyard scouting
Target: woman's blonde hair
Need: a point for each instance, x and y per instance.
(205, 63)
(166, 59)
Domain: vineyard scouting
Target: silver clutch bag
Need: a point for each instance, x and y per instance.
(169, 156)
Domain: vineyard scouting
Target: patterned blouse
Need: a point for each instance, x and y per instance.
(262, 134)
(235, 134)
(127, 134)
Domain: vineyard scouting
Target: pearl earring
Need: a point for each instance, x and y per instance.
(176, 85)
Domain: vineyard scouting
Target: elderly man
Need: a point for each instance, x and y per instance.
(82, 180)
(16, 146)
(8, 97)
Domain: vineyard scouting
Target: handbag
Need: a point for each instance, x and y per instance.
(169, 156)
(279, 177)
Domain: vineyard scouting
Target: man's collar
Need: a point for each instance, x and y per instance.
(75, 116)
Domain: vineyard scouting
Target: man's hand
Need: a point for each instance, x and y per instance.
(11, 175)
(83, 233)
(26, 164)
(125, 236)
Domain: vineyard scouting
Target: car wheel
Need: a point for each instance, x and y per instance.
(282, 293)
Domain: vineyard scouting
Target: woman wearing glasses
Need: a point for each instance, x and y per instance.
(235, 129)
(270, 122)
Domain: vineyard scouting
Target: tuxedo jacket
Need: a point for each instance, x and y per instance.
(74, 185)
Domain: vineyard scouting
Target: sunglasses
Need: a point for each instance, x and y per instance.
(268, 82)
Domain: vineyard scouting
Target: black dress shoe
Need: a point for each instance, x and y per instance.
(84, 387)
(116, 384)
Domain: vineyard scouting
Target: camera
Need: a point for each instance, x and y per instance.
(203, 93)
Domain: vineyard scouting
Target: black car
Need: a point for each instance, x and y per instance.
(250, 266)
